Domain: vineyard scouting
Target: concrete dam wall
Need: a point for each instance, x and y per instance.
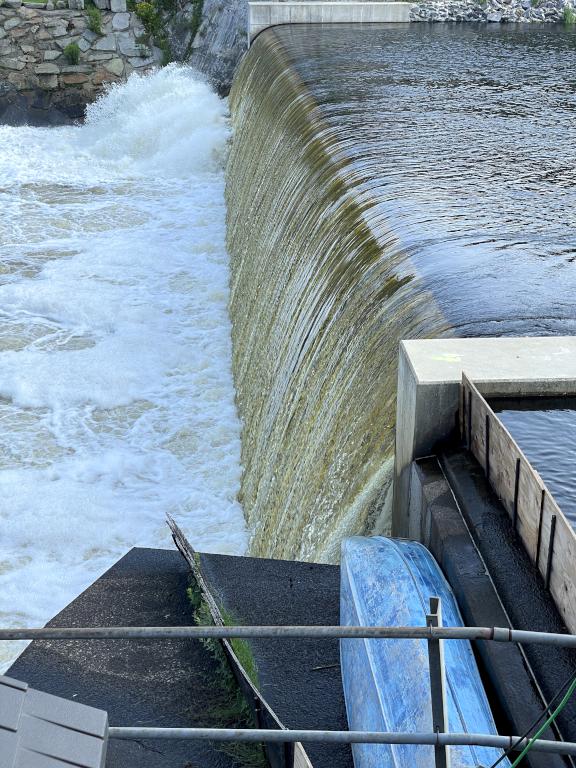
(317, 304)
(377, 193)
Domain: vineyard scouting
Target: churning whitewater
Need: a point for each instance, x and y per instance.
(116, 392)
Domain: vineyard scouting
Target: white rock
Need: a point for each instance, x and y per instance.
(107, 43)
(120, 22)
(140, 62)
(64, 42)
(127, 45)
(51, 55)
(12, 64)
(116, 66)
(118, 6)
(47, 69)
(99, 56)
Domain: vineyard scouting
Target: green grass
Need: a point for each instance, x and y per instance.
(569, 16)
(72, 53)
(94, 19)
(232, 710)
(242, 649)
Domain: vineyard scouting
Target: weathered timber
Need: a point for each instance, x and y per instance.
(551, 545)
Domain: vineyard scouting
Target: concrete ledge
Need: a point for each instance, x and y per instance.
(517, 692)
(429, 376)
(262, 15)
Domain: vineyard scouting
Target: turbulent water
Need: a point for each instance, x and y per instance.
(116, 393)
(385, 182)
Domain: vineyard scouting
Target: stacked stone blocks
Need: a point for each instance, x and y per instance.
(33, 41)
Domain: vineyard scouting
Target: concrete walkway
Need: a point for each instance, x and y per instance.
(300, 679)
(145, 683)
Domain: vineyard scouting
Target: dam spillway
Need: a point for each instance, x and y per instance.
(385, 182)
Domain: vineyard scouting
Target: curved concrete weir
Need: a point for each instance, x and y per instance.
(378, 189)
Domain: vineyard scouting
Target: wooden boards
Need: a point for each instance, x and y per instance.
(543, 528)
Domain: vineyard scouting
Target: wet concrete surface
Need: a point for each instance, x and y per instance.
(518, 583)
(300, 679)
(508, 678)
(139, 682)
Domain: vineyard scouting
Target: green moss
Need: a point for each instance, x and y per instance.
(232, 710)
(242, 649)
(72, 53)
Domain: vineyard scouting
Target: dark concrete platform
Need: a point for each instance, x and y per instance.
(508, 678)
(300, 679)
(176, 683)
(139, 683)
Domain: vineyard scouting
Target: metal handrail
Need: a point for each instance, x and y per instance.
(431, 633)
(343, 737)
(497, 634)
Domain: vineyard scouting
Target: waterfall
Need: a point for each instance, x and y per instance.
(320, 297)
(384, 182)
(116, 392)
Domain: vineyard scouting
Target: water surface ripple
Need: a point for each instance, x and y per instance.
(462, 140)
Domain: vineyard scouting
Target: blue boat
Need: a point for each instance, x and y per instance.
(387, 582)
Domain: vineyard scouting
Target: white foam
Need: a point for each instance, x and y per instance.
(116, 392)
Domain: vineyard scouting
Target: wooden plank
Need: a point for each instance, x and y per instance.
(265, 715)
(524, 496)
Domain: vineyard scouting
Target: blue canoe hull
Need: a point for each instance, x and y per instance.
(386, 682)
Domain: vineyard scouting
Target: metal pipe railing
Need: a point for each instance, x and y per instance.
(343, 737)
(498, 634)
(439, 739)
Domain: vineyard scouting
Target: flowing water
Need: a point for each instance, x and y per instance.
(385, 182)
(116, 393)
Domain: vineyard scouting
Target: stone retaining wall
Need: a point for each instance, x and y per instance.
(495, 11)
(39, 85)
